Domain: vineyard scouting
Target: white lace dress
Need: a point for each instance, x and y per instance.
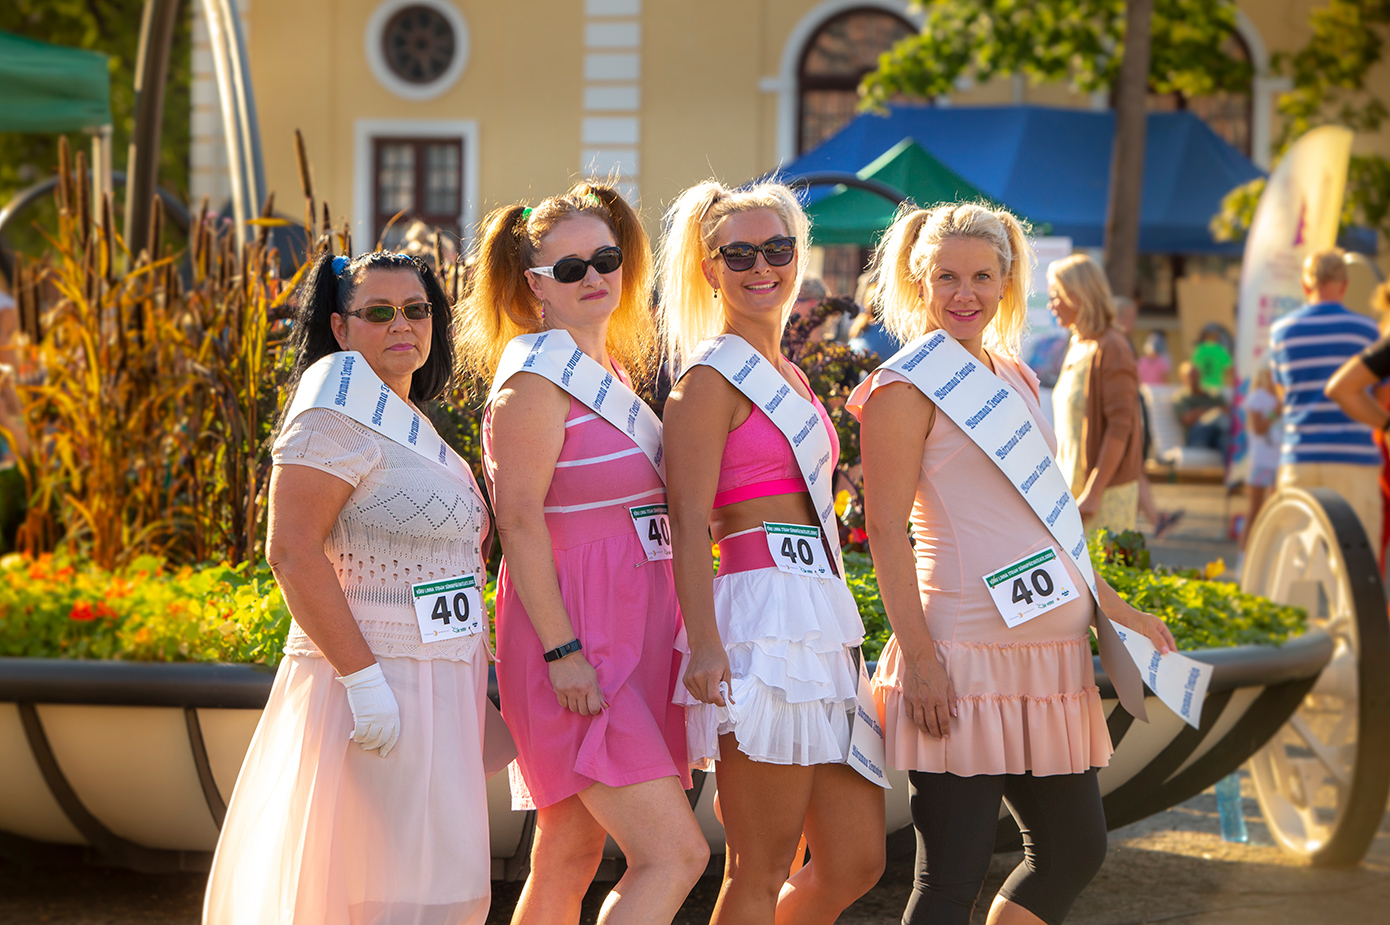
(319, 830)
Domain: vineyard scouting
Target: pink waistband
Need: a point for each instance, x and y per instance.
(744, 552)
(759, 490)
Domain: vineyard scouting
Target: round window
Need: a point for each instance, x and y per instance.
(418, 44)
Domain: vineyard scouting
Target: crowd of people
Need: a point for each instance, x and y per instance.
(624, 657)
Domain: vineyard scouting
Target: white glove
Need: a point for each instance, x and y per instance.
(376, 717)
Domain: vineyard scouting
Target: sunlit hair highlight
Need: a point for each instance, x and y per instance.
(499, 304)
(1084, 284)
(690, 313)
(905, 254)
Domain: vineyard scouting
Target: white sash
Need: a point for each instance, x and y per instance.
(998, 421)
(345, 382)
(795, 417)
(554, 355)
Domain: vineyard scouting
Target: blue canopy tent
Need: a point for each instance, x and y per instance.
(1053, 165)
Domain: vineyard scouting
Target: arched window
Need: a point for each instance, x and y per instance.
(836, 58)
(1229, 114)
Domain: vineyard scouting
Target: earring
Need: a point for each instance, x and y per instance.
(716, 292)
(542, 314)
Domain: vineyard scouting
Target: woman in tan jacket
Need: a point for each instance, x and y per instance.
(1096, 400)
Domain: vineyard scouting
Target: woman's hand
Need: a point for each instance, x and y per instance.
(576, 685)
(708, 669)
(376, 718)
(929, 696)
(1119, 611)
(1088, 503)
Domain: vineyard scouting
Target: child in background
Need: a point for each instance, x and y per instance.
(1155, 367)
(1213, 359)
(1263, 425)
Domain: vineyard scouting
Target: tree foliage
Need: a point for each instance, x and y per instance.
(1079, 41)
(1346, 40)
(111, 27)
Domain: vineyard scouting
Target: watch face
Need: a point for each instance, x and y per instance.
(418, 44)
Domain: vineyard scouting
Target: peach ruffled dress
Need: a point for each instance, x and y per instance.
(1028, 699)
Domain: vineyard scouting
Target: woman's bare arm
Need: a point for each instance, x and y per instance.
(698, 417)
(893, 429)
(528, 432)
(304, 505)
(1349, 388)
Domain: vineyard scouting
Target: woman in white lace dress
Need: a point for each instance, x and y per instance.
(362, 798)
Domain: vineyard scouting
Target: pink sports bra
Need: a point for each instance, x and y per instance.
(758, 460)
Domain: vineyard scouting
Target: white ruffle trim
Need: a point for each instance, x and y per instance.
(789, 640)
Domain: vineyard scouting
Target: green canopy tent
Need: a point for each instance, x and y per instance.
(855, 216)
(49, 88)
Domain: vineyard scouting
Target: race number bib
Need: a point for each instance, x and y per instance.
(1030, 587)
(448, 607)
(653, 528)
(798, 550)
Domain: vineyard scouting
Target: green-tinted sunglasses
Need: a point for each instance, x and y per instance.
(385, 314)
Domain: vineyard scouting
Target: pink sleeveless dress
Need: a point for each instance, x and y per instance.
(623, 609)
(1028, 699)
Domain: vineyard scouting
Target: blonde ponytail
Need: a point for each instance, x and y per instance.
(689, 311)
(903, 259)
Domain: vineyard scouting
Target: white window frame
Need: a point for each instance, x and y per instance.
(376, 60)
(366, 131)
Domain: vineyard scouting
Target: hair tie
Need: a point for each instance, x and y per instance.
(339, 265)
(526, 214)
(592, 199)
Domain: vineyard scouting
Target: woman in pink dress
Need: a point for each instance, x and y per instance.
(771, 678)
(975, 711)
(588, 627)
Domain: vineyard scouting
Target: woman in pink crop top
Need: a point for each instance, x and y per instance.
(770, 679)
(975, 711)
(588, 628)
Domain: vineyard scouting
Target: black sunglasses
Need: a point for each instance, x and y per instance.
(740, 255)
(572, 269)
(385, 314)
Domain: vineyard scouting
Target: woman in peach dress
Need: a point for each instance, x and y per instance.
(975, 711)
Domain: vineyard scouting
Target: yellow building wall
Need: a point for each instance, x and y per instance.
(707, 107)
(521, 85)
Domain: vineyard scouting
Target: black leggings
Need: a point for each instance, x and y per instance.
(1064, 840)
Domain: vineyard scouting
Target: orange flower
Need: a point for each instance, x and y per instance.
(82, 611)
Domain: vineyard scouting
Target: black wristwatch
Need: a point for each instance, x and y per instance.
(559, 652)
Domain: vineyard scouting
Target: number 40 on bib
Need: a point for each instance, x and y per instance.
(1030, 587)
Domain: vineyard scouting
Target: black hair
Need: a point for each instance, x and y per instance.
(326, 291)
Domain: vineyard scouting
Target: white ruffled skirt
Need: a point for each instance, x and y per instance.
(320, 831)
(790, 640)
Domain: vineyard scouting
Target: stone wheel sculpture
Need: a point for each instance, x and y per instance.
(1322, 780)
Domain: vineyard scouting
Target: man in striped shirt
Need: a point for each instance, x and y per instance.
(1322, 446)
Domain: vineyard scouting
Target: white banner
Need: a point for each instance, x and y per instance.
(998, 421)
(554, 355)
(1297, 214)
(798, 420)
(345, 382)
(1180, 682)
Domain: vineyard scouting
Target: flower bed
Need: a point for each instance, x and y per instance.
(55, 607)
